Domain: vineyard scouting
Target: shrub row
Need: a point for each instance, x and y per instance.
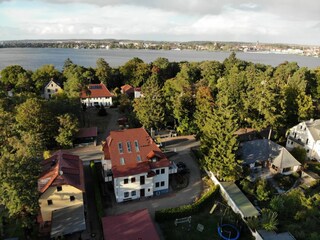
(97, 191)
(187, 210)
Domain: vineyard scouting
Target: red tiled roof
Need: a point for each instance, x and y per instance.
(127, 88)
(147, 150)
(132, 225)
(96, 90)
(87, 132)
(61, 169)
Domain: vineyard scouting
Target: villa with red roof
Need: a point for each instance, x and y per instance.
(96, 95)
(61, 185)
(127, 89)
(136, 165)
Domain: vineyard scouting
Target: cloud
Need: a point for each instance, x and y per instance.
(164, 20)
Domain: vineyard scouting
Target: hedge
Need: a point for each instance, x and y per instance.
(187, 210)
(97, 191)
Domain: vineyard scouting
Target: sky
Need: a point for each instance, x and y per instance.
(268, 21)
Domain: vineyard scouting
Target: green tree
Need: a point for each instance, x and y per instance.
(149, 109)
(33, 117)
(204, 107)
(68, 127)
(135, 72)
(16, 77)
(219, 144)
(262, 192)
(269, 220)
(103, 71)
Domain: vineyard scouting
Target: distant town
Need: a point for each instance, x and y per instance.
(306, 50)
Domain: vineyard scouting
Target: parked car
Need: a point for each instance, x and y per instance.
(182, 168)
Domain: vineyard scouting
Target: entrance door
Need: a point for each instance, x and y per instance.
(142, 192)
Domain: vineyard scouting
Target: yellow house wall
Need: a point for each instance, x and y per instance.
(59, 199)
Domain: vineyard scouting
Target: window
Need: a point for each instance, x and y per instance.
(125, 181)
(157, 171)
(307, 141)
(126, 194)
(120, 147)
(49, 202)
(291, 142)
(133, 180)
(48, 90)
(157, 184)
(72, 198)
(163, 170)
(56, 90)
(138, 158)
(122, 162)
(59, 188)
(308, 150)
(136, 145)
(162, 183)
(51, 84)
(133, 193)
(129, 146)
(295, 135)
(141, 180)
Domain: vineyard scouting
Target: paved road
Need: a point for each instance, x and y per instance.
(173, 198)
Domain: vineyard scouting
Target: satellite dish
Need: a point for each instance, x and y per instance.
(61, 172)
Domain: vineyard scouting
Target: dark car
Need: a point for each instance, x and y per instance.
(182, 168)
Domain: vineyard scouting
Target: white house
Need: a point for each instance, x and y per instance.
(306, 135)
(137, 92)
(50, 89)
(136, 165)
(96, 94)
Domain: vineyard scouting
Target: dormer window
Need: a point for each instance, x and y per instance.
(59, 188)
(122, 162)
(136, 145)
(129, 146)
(120, 147)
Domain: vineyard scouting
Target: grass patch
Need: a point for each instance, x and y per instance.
(209, 221)
(97, 192)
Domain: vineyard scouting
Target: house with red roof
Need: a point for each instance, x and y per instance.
(127, 89)
(61, 187)
(96, 95)
(135, 165)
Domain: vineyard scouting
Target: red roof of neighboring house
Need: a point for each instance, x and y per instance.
(137, 89)
(96, 90)
(132, 225)
(61, 169)
(147, 149)
(87, 132)
(127, 89)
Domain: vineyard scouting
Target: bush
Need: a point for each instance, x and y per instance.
(97, 191)
(187, 210)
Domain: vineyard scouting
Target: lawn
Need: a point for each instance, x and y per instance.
(209, 221)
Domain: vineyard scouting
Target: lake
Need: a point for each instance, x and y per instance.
(33, 58)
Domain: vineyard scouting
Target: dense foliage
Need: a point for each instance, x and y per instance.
(209, 99)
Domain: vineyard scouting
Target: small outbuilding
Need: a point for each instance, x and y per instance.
(86, 136)
(132, 225)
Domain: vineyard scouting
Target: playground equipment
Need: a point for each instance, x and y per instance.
(225, 231)
(184, 220)
(228, 232)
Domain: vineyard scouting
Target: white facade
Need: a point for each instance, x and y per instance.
(140, 185)
(91, 102)
(306, 135)
(137, 94)
(50, 89)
